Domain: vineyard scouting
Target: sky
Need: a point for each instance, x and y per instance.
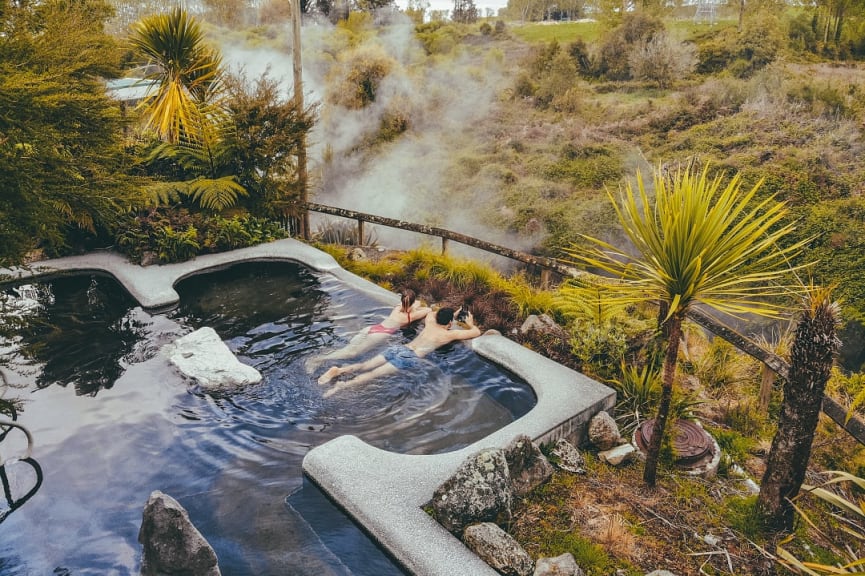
(449, 5)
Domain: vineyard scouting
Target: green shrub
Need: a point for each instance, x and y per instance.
(586, 167)
(524, 87)
(176, 246)
(613, 56)
(226, 234)
(741, 52)
(638, 391)
(156, 231)
(557, 79)
(363, 71)
(579, 52)
(662, 60)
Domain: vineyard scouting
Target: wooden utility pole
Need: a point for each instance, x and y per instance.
(298, 102)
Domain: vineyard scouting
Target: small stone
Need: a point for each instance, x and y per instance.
(563, 565)
(619, 455)
(569, 458)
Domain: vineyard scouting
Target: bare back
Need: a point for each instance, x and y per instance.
(399, 318)
(436, 335)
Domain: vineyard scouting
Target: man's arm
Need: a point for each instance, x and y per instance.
(466, 333)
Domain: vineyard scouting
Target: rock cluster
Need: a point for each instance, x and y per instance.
(474, 503)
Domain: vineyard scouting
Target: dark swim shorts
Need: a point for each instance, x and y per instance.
(402, 357)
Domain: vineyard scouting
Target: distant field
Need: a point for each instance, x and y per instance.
(589, 31)
(563, 32)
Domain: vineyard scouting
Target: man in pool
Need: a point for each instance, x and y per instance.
(436, 333)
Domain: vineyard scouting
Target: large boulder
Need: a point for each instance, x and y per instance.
(479, 491)
(172, 545)
(498, 549)
(527, 465)
(204, 357)
(604, 432)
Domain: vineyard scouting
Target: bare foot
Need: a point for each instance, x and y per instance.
(331, 373)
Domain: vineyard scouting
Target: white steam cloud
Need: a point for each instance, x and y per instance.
(412, 177)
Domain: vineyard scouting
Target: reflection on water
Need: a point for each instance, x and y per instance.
(129, 424)
(82, 334)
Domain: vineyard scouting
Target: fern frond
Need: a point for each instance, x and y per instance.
(215, 193)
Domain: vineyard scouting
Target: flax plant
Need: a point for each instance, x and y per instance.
(700, 241)
(848, 516)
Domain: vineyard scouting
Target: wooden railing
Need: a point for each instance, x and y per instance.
(545, 265)
(853, 426)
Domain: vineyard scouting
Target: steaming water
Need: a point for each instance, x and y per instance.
(112, 422)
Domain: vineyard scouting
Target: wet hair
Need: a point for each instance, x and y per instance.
(408, 298)
(444, 316)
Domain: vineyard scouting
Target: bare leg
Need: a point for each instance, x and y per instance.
(336, 371)
(383, 370)
(360, 343)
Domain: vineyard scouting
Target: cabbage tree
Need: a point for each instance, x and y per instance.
(187, 74)
(698, 241)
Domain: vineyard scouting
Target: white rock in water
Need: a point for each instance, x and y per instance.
(204, 357)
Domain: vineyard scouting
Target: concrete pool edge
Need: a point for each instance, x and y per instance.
(385, 492)
(382, 491)
(153, 286)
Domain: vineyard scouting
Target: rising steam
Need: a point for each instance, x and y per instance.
(415, 176)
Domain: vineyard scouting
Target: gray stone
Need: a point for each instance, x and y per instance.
(498, 549)
(540, 323)
(603, 431)
(569, 458)
(204, 357)
(149, 258)
(619, 455)
(563, 565)
(357, 254)
(172, 545)
(660, 573)
(479, 491)
(528, 467)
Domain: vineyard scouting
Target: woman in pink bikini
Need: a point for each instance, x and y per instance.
(408, 311)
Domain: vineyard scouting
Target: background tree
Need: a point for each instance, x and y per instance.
(416, 10)
(62, 166)
(464, 11)
(812, 355)
(696, 243)
(230, 13)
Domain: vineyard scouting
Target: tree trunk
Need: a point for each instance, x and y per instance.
(767, 380)
(672, 330)
(811, 359)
